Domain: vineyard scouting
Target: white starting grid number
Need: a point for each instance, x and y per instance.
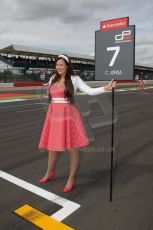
(117, 50)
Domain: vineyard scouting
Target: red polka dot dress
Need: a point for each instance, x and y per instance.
(63, 127)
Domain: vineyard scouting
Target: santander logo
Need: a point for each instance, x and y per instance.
(114, 24)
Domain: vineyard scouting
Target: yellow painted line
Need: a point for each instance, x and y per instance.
(40, 219)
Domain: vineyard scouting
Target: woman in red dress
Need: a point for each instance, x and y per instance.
(63, 128)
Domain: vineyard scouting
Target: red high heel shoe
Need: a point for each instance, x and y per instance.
(51, 176)
(69, 189)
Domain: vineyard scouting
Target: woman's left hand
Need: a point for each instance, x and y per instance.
(110, 85)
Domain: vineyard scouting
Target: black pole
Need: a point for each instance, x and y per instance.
(112, 147)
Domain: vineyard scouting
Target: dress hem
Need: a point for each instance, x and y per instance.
(68, 148)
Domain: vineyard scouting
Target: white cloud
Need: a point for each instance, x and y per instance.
(70, 25)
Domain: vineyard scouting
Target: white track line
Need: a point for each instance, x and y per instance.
(2, 101)
(68, 206)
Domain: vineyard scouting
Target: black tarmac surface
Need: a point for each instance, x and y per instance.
(21, 124)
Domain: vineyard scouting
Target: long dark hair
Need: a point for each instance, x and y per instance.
(69, 88)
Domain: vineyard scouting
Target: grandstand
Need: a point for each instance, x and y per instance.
(23, 63)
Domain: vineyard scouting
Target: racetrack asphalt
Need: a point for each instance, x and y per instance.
(21, 124)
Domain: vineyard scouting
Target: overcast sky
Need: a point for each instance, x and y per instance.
(70, 25)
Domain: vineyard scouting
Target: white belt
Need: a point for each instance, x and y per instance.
(60, 100)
